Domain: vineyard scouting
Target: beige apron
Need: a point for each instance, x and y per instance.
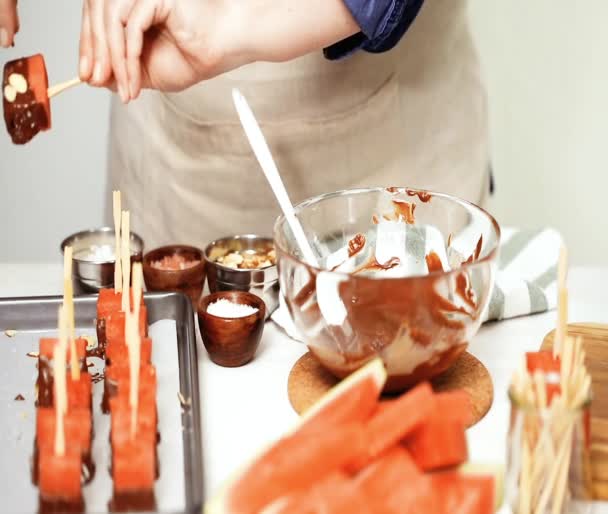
(414, 116)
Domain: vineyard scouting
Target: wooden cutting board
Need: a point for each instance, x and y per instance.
(595, 343)
(308, 381)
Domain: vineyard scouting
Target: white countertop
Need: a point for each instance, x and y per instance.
(244, 408)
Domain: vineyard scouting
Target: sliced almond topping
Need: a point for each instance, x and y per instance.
(18, 81)
(10, 333)
(9, 93)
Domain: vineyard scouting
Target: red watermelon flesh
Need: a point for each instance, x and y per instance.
(335, 494)
(79, 391)
(414, 496)
(465, 494)
(439, 443)
(290, 464)
(553, 390)
(455, 405)
(395, 468)
(59, 474)
(543, 361)
(395, 420)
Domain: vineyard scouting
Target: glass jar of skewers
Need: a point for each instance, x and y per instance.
(549, 440)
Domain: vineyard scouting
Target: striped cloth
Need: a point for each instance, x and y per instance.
(525, 280)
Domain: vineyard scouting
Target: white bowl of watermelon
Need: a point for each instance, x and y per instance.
(402, 274)
(352, 453)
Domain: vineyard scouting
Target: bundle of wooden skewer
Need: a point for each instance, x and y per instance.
(549, 434)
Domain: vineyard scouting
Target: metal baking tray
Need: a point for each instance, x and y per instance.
(32, 318)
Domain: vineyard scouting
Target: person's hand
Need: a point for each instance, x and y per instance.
(9, 22)
(171, 45)
(161, 44)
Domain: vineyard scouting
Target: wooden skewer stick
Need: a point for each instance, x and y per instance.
(562, 302)
(59, 88)
(135, 353)
(126, 262)
(68, 302)
(117, 253)
(59, 381)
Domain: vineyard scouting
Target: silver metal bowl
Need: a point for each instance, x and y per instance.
(261, 282)
(93, 257)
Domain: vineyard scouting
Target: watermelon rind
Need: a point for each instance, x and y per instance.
(375, 368)
(486, 468)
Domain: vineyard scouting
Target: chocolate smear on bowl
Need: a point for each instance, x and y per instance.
(405, 210)
(374, 265)
(476, 253)
(423, 196)
(356, 244)
(433, 262)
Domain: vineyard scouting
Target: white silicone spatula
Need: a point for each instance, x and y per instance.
(262, 153)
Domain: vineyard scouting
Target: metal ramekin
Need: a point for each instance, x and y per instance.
(261, 282)
(91, 276)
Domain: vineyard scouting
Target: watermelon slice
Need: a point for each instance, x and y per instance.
(395, 484)
(542, 361)
(413, 497)
(354, 399)
(455, 405)
(480, 469)
(119, 352)
(465, 493)
(79, 392)
(287, 466)
(335, 494)
(59, 474)
(350, 454)
(396, 419)
(77, 427)
(440, 442)
(338, 408)
(393, 469)
(115, 325)
(134, 466)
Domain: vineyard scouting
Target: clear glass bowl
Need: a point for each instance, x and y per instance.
(416, 316)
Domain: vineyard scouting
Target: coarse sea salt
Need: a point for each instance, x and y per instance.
(223, 308)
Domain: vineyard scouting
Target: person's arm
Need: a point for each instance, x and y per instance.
(9, 22)
(383, 23)
(173, 44)
(281, 30)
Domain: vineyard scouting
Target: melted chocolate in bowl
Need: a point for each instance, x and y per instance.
(391, 297)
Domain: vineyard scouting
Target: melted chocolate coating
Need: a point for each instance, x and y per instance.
(136, 501)
(26, 116)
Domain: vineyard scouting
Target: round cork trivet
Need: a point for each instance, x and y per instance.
(308, 381)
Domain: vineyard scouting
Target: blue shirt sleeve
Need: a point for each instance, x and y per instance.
(383, 23)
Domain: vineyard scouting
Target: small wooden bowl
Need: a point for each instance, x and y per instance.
(189, 281)
(231, 342)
